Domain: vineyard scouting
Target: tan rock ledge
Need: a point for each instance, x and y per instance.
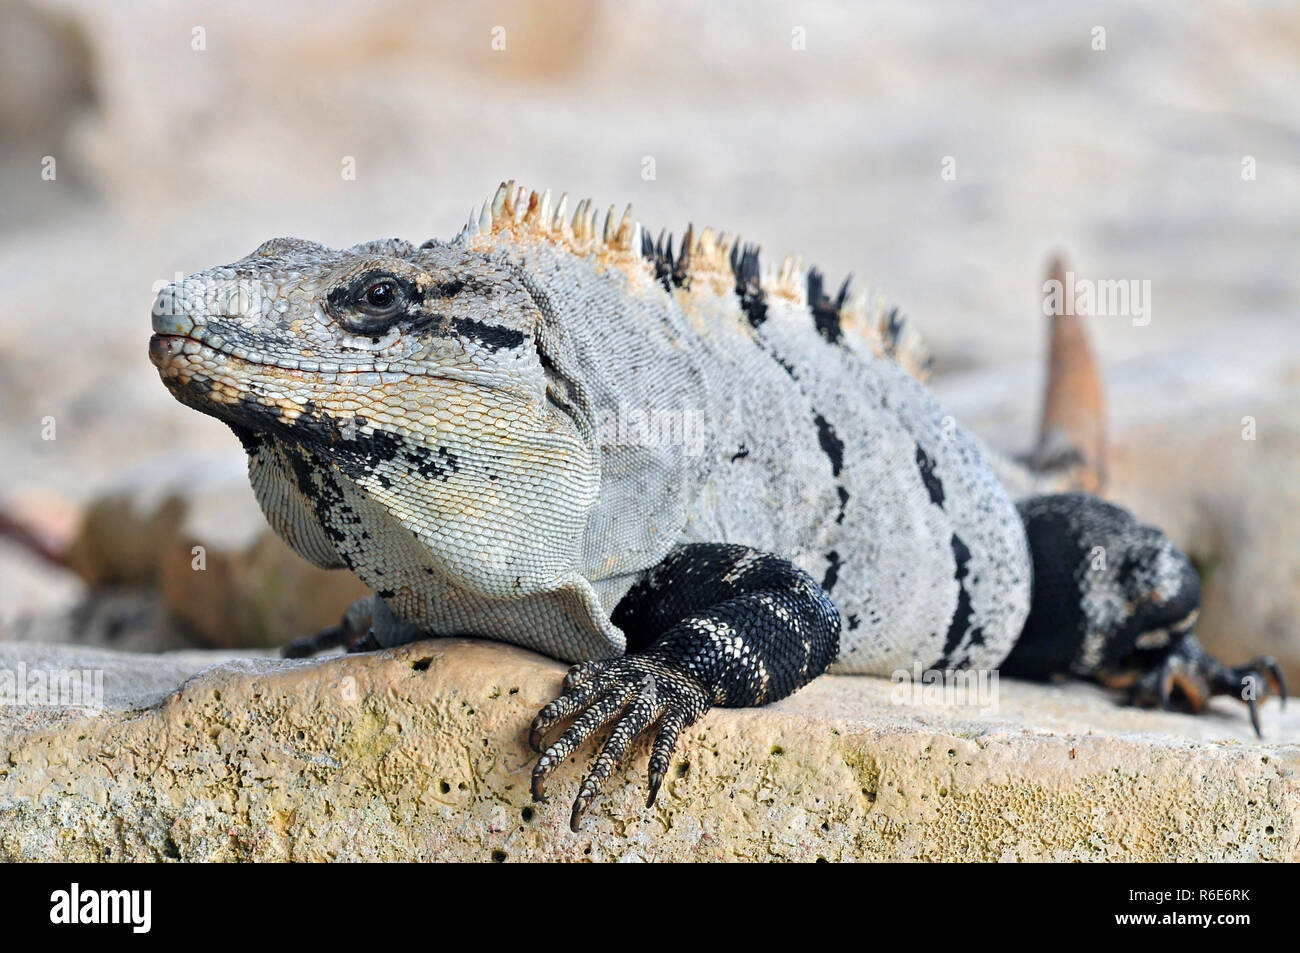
(419, 753)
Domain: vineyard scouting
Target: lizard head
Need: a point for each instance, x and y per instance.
(300, 337)
(419, 373)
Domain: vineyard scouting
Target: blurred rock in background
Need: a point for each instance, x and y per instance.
(47, 87)
(1150, 143)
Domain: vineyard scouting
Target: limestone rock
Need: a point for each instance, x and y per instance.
(419, 753)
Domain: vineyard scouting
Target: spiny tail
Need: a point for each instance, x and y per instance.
(1071, 452)
(1072, 432)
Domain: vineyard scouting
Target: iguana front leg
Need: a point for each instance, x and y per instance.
(712, 625)
(368, 624)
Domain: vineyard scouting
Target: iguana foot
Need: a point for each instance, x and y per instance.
(1189, 677)
(634, 693)
(712, 625)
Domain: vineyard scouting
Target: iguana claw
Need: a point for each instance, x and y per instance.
(1189, 677)
(1255, 681)
(634, 693)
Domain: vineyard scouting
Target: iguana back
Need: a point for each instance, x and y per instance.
(750, 408)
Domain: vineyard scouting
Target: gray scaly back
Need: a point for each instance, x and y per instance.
(773, 416)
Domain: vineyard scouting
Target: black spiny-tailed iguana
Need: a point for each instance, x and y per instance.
(703, 481)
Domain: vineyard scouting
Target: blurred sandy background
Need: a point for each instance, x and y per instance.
(184, 135)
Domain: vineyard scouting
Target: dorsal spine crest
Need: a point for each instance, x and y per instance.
(706, 262)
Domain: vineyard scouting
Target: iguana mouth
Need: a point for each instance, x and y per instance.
(172, 352)
(165, 347)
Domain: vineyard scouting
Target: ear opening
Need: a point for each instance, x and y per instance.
(564, 389)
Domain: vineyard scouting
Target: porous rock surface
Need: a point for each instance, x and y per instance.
(420, 753)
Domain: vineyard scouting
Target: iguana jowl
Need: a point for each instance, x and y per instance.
(703, 481)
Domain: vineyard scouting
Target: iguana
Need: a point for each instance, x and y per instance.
(703, 480)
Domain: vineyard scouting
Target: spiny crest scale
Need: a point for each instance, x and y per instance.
(706, 262)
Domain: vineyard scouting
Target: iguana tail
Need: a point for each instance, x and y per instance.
(1072, 432)
(1071, 452)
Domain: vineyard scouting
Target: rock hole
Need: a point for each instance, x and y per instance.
(777, 751)
(527, 815)
(683, 768)
(444, 787)
(499, 856)
(171, 850)
(1269, 830)
(422, 664)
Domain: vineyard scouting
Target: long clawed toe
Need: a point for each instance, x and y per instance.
(1189, 677)
(1172, 685)
(626, 697)
(1252, 683)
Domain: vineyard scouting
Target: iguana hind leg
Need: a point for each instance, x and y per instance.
(712, 625)
(1072, 432)
(1188, 677)
(1116, 602)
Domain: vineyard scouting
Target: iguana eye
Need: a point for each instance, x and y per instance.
(372, 302)
(379, 296)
